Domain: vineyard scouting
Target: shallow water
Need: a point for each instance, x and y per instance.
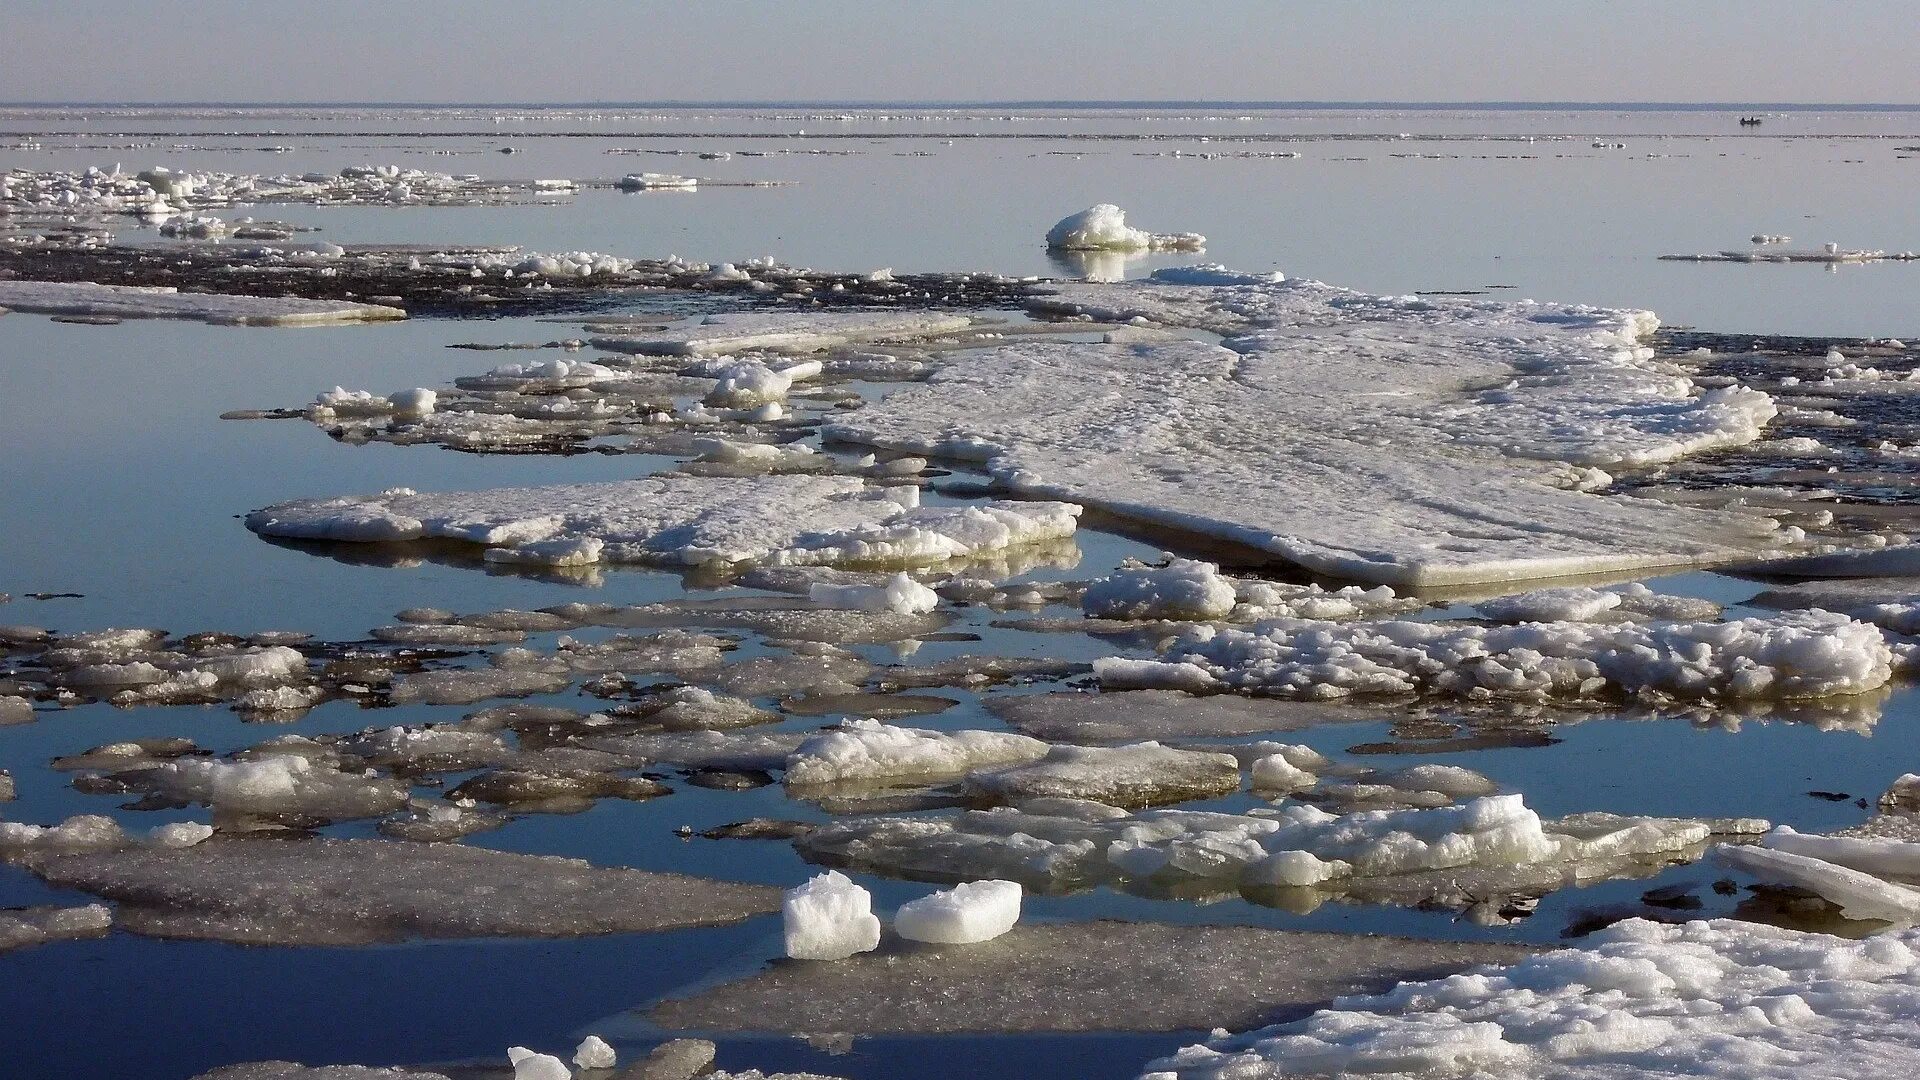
(118, 482)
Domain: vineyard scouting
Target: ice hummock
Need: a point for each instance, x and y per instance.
(1103, 227)
(1702, 999)
(1395, 440)
(829, 918)
(681, 520)
(1793, 655)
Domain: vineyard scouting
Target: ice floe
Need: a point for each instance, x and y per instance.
(787, 332)
(161, 302)
(1084, 976)
(869, 751)
(364, 891)
(1701, 999)
(1397, 440)
(968, 913)
(678, 520)
(1139, 774)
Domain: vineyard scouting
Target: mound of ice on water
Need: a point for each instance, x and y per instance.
(277, 784)
(1104, 227)
(681, 520)
(1702, 999)
(1142, 774)
(1798, 654)
(868, 750)
(829, 918)
(1394, 440)
(970, 912)
(1183, 589)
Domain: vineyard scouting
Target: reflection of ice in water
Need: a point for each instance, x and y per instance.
(1094, 265)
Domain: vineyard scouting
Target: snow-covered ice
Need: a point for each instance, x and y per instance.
(869, 751)
(681, 520)
(829, 918)
(1140, 774)
(1398, 440)
(1700, 999)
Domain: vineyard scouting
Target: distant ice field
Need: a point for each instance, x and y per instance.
(1383, 200)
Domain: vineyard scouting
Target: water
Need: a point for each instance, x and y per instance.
(118, 482)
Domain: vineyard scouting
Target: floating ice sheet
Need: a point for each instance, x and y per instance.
(1098, 976)
(680, 520)
(160, 302)
(792, 332)
(1702, 999)
(1395, 440)
(364, 891)
(1137, 715)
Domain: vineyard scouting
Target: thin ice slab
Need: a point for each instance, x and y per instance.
(1141, 715)
(1098, 976)
(721, 334)
(356, 892)
(161, 302)
(1398, 440)
(681, 521)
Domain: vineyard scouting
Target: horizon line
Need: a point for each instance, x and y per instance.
(1089, 103)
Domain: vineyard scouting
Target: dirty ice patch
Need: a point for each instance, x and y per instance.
(1400, 441)
(681, 521)
(1702, 999)
(722, 334)
(161, 302)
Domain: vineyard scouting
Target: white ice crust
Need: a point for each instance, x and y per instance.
(1397, 440)
(162, 302)
(681, 520)
(1718, 999)
(829, 918)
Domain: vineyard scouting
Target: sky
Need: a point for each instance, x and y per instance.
(1838, 51)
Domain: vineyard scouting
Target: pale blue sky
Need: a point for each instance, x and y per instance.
(710, 50)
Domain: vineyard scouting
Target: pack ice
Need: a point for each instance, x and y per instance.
(1702, 999)
(163, 302)
(1398, 440)
(683, 521)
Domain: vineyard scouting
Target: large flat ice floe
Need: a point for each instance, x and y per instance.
(160, 302)
(1703, 999)
(1097, 976)
(682, 521)
(1401, 440)
(343, 892)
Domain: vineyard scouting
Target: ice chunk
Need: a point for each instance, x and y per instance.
(594, 1053)
(681, 520)
(160, 302)
(1136, 715)
(528, 1065)
(971, 912)
(1394, 440)
(901, 595)
(829, 918)
(288, 1070)
(1142, 774)
(1183, 589)
(284, 784)
(23, 927)
(867, 750)
(1858, 895)
(1550, 605)
(1103, 227)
